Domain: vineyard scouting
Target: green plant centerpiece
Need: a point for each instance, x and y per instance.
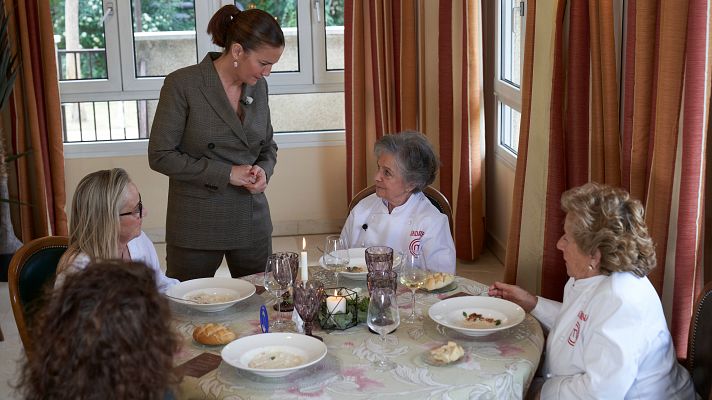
(9, 243)
(339, 309)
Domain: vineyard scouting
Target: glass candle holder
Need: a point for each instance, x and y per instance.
(339, 309)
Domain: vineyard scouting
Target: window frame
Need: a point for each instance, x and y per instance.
(122, 83)
(505, 92)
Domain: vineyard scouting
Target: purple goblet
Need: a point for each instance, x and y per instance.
(307, 300)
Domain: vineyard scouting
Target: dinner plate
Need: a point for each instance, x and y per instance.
(447, 288)
(239, 353)
(449, 313)
(237, 288)
(357, 258)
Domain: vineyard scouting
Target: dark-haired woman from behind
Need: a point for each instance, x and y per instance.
(105, 334)
(212, 137)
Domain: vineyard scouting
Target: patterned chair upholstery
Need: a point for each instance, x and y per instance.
(31, 270)
(699, 346)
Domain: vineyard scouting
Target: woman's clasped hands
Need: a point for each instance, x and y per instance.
(251, 177)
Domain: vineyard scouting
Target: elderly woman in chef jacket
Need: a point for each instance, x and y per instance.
(608, 339)
(399, 215)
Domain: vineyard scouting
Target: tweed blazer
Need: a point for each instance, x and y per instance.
(196, 138)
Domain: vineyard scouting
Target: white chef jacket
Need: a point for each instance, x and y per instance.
(609, 340)
(413, 226)
(141, 249)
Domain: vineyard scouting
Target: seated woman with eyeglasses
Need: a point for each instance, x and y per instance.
(105, 224)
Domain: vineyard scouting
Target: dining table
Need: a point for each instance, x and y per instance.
(497, 366)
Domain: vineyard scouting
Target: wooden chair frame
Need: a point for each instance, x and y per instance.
(16, 264)
(695, 336)
(434, 195)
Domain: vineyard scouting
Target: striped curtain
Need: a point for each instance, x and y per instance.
(417, 64)
(574, 84)
(36, 123)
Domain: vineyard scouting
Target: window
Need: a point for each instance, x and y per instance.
(114, 54)
(507, 84)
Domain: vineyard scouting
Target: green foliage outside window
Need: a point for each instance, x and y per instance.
(163, 16)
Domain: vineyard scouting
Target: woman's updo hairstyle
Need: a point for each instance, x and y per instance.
(252, 29)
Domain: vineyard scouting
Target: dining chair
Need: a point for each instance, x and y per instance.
(434, 195)
(699, 345)
(32, 268)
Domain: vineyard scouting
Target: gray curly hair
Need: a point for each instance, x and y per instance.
(607, 219)
(414, 156)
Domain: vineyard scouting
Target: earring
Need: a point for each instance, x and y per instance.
(234, 64)
(590, 267)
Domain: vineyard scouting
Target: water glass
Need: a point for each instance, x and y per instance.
(307, 300)
(293, 259)
(383, 318)
(381, 279)
(278, 280)
(336, 255)
(379, 258)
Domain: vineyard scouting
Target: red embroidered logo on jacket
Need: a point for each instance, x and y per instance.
(574, 335)
(414, 246)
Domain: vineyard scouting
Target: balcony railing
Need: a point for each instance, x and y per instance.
(81, 64)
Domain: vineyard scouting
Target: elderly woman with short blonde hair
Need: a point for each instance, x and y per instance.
(609, 338)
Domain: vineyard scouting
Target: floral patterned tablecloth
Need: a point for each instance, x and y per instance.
(498, 366)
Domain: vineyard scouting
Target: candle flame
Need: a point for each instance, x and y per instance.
(304, 243)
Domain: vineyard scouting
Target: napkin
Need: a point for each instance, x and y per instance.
(199, 365)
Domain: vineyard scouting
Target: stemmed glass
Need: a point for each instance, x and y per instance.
(307, 300)
(278, 279)
(412, 275)
(336, 255)
(294, 264)
(383, 318)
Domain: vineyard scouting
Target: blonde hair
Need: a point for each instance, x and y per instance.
(94, 225)
(607, 219)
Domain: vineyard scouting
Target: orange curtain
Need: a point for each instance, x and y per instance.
(572, 132)
(417, 65)
(36, 123)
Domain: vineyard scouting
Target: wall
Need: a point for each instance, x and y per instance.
(307, 193)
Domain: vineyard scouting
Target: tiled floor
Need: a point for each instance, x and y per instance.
(486, 269)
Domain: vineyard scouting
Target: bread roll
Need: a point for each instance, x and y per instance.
(447, 353)
(438, 280)
(213, 334)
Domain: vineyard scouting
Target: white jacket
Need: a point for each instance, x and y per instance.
(417, 224)
(141, 249)
(609, 340)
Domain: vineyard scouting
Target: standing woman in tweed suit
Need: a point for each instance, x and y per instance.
(212, 136)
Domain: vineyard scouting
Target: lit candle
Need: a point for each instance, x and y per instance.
(303, 261)
(336, 304)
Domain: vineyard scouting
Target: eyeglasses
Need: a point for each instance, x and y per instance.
(139, 209)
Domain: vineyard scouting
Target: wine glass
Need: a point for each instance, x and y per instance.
(336, 255)
(294, 264)
(278, 279)
(307, 300)
(412, 275)
(383, 318)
